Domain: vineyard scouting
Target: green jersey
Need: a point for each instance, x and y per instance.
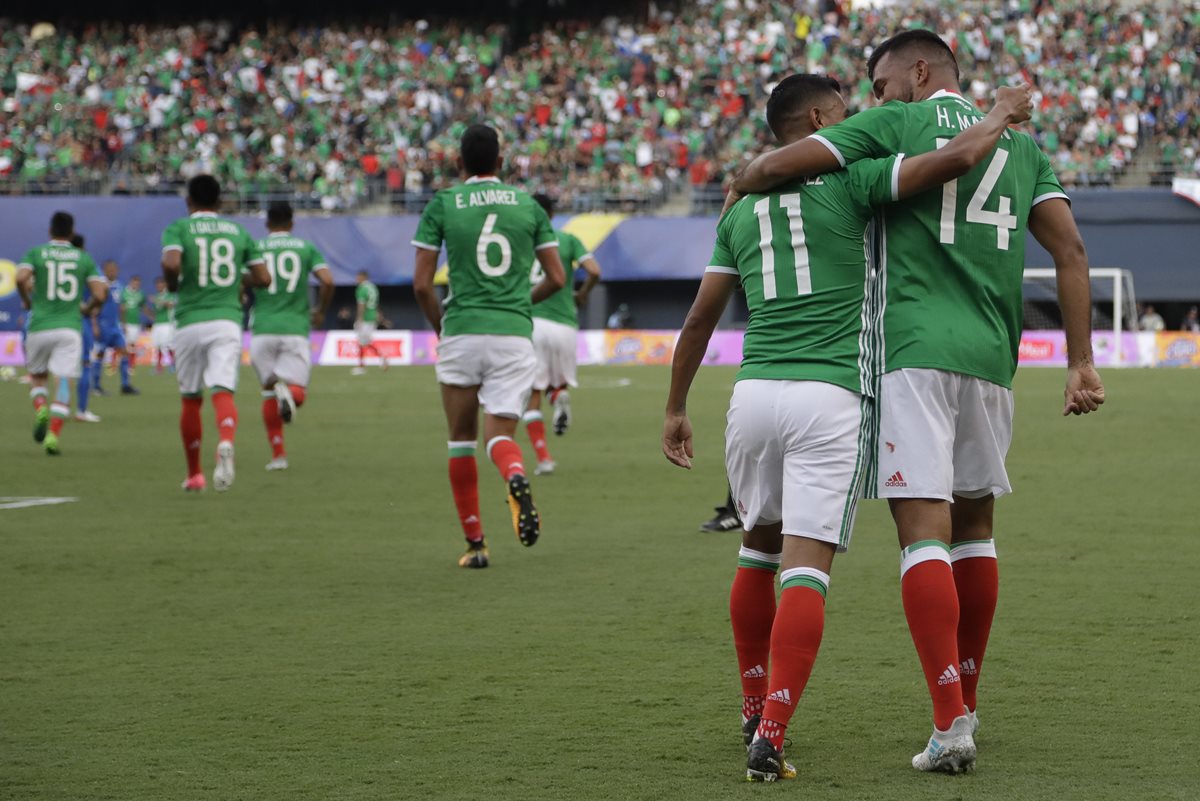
(368, 295)
(488, 227)
(216, 253)
(952, 257)
(282, 308)
(560, 307)
(132, 301)
(60, 275)
(800, 254)
(164, 307)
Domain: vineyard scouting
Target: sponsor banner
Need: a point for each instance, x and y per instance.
(1177, 349)
(1049, 349)
(341, 348)
(639, 347)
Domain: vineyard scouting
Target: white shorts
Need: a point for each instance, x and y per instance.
(554, 346)
(796, 452)
(501, 366)
(280, 356)
(943, 434)
(58, 351)
(132, 334)
(161, 335)
(366, 332)
(207, 354)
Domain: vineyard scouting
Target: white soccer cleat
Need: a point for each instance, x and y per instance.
(278, 464)
(287, 404)
(87, 417)
(545, 468)
(950, 751)
(358, 371)
(974, 718)
(562, 412)
(223, 472)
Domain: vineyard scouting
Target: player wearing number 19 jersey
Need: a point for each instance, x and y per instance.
(800, 421)
(279, 349)
(207, 260)
(492, 234)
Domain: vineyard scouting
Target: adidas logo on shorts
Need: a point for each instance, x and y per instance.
(949, 675)
(755, 672)
(782, 696)
(897, 480)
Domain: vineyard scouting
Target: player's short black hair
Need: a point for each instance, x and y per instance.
(204, 192)
(546, 202)
(480, 149)
(77, 240)
(794, 96)
(62, 224)
(931, 47)
(279, 213)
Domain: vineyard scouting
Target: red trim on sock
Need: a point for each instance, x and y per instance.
(931, 606)
(977, 581)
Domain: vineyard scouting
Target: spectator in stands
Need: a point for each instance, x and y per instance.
(1151, 320)
(1191, 321)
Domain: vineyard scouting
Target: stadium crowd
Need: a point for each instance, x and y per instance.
(609, 115)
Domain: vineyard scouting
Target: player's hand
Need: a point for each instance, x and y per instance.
(1084, 392)
(580, 297)
(677, 440)
(1015, 102)
(317, 319)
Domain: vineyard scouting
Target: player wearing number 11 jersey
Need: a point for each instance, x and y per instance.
(492, 233)
(207, 260)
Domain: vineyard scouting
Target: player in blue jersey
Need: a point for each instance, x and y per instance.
(83, 387)
(110, 334)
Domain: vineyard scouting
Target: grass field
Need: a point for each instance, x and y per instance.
(308, 636)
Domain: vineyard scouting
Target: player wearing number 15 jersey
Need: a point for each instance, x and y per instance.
(492, 234)
(279, 349)
(208, 260)
(953, 261)
(800, 421)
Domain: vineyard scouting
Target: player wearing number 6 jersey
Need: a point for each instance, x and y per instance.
(50, 280)
(279, 349)
(953, 261)
(208, 260)
(800, 421)
(492, 234)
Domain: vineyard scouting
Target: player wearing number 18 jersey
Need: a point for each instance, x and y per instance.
(492, 234)
(208, 260)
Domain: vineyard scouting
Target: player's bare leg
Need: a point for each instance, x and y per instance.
(535, 426)
(461, 405)
(977, 580)
(931, 608)
(506, 455)
(795, 640)
(752, 613)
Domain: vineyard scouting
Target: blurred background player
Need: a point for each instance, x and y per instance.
(492, 232)
(133, 306)
(110, 335)
(162, 329)
(366, 317)
(555, 335)
(208, 260)
(280, 350)
(50, 280)
(87, 328)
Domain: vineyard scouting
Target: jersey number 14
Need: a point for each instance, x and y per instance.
(1003, 218)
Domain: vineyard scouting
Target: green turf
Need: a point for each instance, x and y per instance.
(307, 635)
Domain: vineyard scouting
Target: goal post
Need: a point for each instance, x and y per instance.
(1114, 304)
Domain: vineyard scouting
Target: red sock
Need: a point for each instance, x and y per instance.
(274, 424)
(931, 607)
(795, 641)
(506, 455)
(537, 435)
(58, 416)
(40, 397)
(464, 483)
(752, 612)
(227, 416)
(977, 580)
(190, 428)
(298, 394)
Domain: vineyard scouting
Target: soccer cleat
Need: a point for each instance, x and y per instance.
(129, 390)
(726, 520)
(279, 463)
(476, 555)
(41, 423)
(974, 718)
(87, 417)
(97, 390)
(562, 413)
(223, 472)
(949, 751)
(51, 444)
(525, 520)
(545, 468)
(765, 764)
(358, 371)
(194, 483)
(287, 404)
(749, 726)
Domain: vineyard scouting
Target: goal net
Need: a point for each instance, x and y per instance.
(1114, 306)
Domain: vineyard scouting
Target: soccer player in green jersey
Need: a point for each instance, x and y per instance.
(952, 261)
(555, 335)
(801, 418)
(133, 306)
(280, 350)
(208, 260)
(366, 319)
(492, 232)
(162, 331)
(50, 281)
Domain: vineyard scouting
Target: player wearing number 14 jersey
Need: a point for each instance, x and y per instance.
(208, 260)
(492, 234)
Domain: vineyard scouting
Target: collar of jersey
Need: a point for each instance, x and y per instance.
(944, 93)
(480, 179)
(66, 242)
(204, 214)
(279, 233)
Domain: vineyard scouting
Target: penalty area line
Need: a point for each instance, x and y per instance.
(25, 502)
